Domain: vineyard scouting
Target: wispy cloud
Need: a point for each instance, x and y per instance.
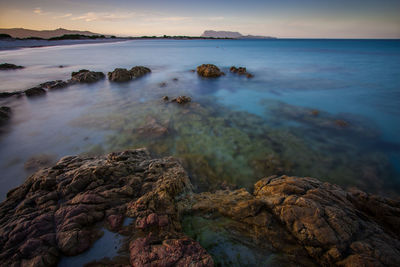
(103, 16)
(38, 11)
(63, 16)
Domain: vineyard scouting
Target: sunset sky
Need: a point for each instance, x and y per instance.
(284, 18)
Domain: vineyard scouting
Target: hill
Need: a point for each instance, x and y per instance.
(46, 34)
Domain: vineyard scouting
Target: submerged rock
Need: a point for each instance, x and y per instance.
(182, 99)
(5, 114)
(8, 66)
(209, 71)
(124, 75)
(39, 161)
(58, 84)
(87, 76)
(35, 91)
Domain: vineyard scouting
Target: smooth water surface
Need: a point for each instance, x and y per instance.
(322, 108)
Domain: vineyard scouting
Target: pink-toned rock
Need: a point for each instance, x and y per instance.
(115, 221)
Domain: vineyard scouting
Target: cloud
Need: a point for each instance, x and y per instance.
(103, 16)
(37, 10)
(63, 16)
(216, 18)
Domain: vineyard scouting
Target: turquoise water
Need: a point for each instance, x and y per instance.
(237, 130)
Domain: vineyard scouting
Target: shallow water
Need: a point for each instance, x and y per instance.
(236, 130)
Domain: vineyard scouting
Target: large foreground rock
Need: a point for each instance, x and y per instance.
(58, 210)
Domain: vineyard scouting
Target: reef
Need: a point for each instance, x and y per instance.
(8, 66)
(209, 71)
(59, 210)
(124, 75)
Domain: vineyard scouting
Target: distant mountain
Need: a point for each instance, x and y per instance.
(25, 33)
(233, 35)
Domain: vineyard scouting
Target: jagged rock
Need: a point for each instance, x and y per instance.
(5, 114)
(124, 75)
(8, 66)
(139, 71)
(182, 99)
(55, 212)
(87, 76)
(35, 91)
(58, 84)
(306, 216)
(209, 71)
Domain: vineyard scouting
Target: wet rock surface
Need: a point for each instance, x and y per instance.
(54, 84)
(209, 71)
(35, 91)
(312, 221)
(8, 66)
(56, 211)
(124, 75)
(87, 76)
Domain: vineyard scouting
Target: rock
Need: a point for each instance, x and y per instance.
(120, 75)
(152, 128)
(341, 123)
(57, 210)
(163, 84)
(9, 94)
(241, 71)
(86, 76)
(165, 98)
(209, 71)
(182, 99)
(8, 66)
(54, 84)
(315, 112)
(139, 71)
(314, 220)
(171, 252)
(5, 114)
(175, 79)
(35, 91)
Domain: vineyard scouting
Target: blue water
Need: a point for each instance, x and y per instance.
(344, 78)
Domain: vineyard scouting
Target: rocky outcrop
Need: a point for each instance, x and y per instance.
(9, 94)
(5, 114)
(182, 99)
(209, 71)
(58, 84)
(35, 91)
(241, 71)
(8, 66)
(87, 76)
(124, 75)
(311, 219)
(55, 212)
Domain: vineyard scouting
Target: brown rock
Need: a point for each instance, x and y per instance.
(35, 91)
(87, 76)
(182, 99)
(209, 71)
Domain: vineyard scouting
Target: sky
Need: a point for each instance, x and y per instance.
(278, 18)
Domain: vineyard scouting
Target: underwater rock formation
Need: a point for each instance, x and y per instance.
(87, 76)
(8, 66)
(209, 71)
(35, 91)
(57, 212)
(5, 114)
(124, 75)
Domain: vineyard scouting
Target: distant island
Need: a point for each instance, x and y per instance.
(232, 35)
